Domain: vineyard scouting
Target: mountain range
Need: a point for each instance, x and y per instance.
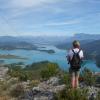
(28, 42)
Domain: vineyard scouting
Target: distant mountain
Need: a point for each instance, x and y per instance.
(8, 39)
(34, 39)
(67, 45)
(82, 37)
(92, 50)
(28, 42)
(16, 45)
(92, 47)
(52, 40)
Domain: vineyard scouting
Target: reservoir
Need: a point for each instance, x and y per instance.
(32, 56)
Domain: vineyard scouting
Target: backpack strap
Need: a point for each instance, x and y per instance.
(79, 51)
(73, 51)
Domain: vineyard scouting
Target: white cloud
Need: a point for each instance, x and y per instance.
(16, 8)
(20, 7)
(70, 22)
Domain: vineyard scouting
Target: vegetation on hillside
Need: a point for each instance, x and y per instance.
(38, 72)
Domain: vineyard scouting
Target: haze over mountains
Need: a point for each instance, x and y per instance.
(28, 42)
(33, 39)
(62, 42)
(50, 39)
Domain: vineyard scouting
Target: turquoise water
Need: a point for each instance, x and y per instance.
(35, 56)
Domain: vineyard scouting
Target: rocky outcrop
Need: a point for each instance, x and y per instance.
(3, 72)
(45, 90)
(92, 93)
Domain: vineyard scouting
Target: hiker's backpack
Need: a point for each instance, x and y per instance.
(75, 62)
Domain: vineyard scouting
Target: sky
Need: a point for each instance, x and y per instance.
(49, 17)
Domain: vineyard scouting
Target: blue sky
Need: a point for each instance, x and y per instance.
(49, 17)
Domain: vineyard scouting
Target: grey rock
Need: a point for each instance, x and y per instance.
(45, 90)
(53, 81)
(3, 72)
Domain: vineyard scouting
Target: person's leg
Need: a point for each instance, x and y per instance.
(77, 79)
(73, 80)
(72, 77)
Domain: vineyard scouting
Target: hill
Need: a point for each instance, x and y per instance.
(11, 45)
(92, 50)
(34, 39)
(51, 84)
(84, 36)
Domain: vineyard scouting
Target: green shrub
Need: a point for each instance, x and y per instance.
(23, 77)
(65, 79)
(50, 70)
(72, 94)
(88, 77)
(15, 71)
(43, 69)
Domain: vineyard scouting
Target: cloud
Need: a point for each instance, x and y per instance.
(55, 24)
(48, 15)
(15, 8)
(24, 4)
(20, 7)
(70, 22)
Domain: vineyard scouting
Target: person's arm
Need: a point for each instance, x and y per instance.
(69, 56)
(81, 54)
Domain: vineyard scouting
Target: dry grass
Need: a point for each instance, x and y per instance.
(6, 98)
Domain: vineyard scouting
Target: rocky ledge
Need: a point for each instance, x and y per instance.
(45, 90)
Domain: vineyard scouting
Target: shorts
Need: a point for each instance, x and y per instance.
(73, 72)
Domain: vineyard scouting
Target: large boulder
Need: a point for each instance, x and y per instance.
(45, 90)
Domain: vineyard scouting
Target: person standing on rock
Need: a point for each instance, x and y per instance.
(75, 56)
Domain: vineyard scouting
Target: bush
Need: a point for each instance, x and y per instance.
(18, 72)
(65, 79)
(23, 77)
(50, 70)
(88, 77)
(34, 83)
(15, 71)
(43, 69)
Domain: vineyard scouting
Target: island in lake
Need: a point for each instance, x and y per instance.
(9, 56)
(48, 51)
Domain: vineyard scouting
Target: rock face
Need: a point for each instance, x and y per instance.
(3, 71)
(45, 90)
(93, 91)
(38, 95)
